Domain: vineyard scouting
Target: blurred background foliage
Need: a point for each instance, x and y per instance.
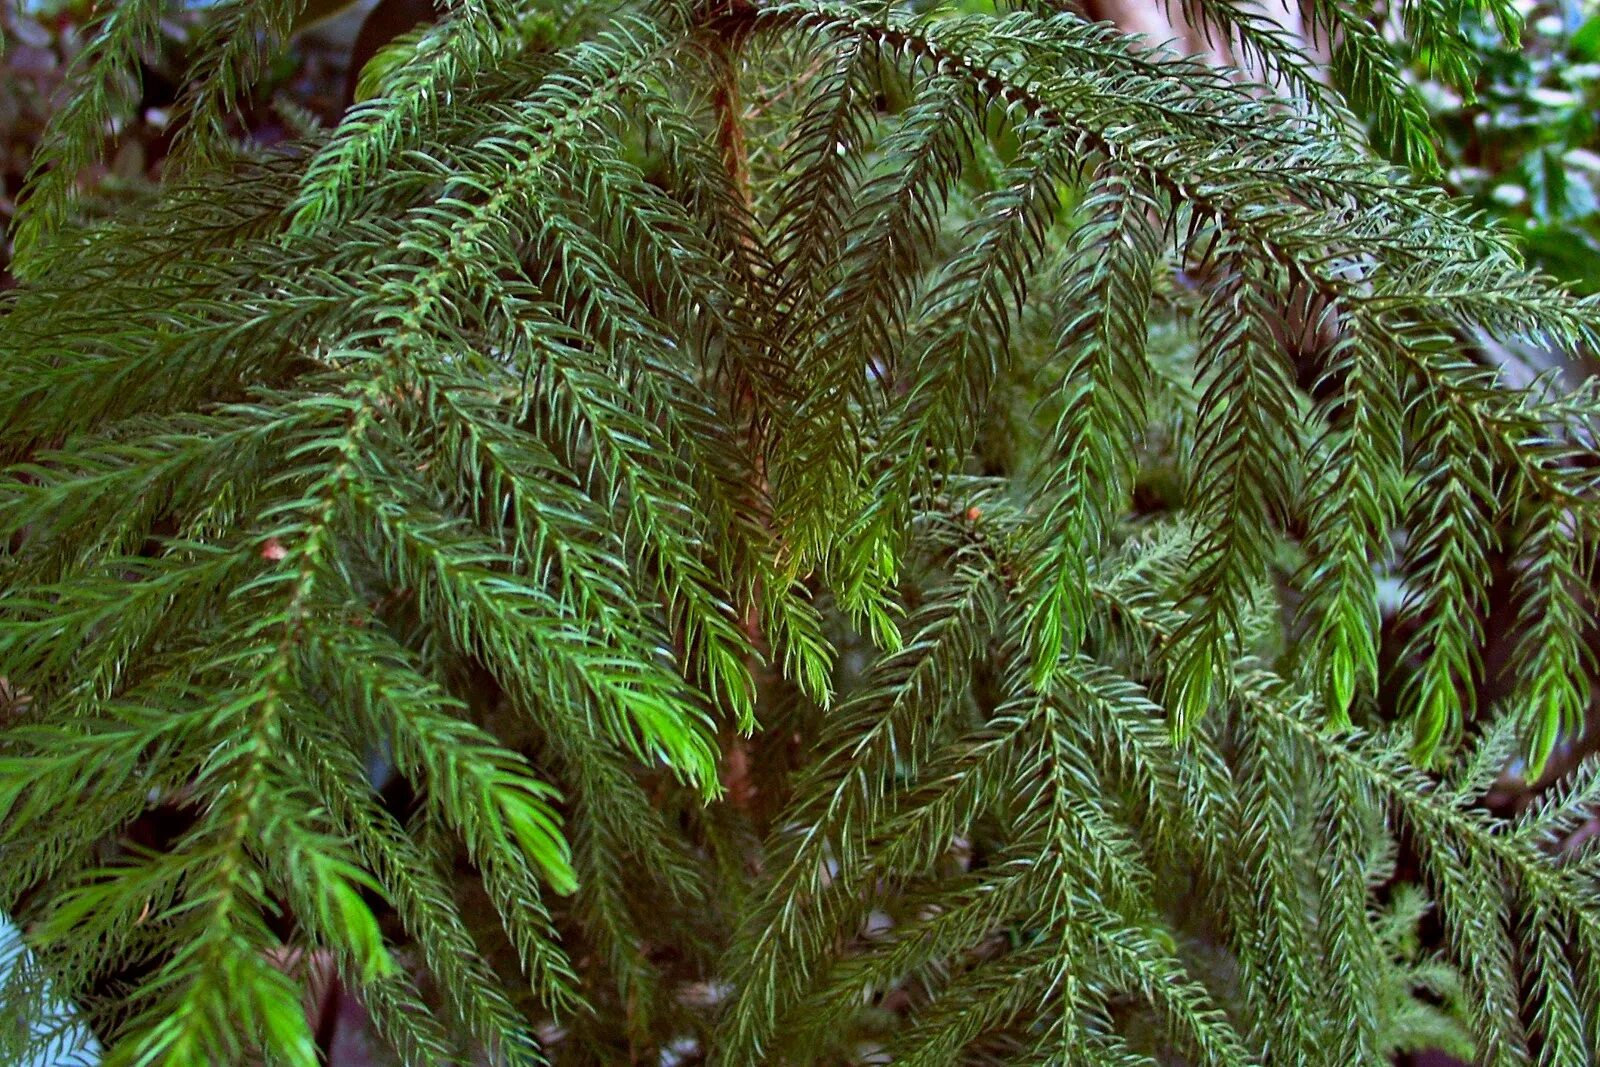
(1524, 143)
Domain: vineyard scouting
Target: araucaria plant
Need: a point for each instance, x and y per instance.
(806, 532)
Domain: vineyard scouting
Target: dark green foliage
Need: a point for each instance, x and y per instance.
(597, 437)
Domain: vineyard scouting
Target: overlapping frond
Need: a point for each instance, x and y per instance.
(434, 514)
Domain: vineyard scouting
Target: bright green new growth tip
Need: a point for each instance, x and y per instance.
(853, 531)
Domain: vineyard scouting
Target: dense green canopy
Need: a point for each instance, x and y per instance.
(795, 532)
